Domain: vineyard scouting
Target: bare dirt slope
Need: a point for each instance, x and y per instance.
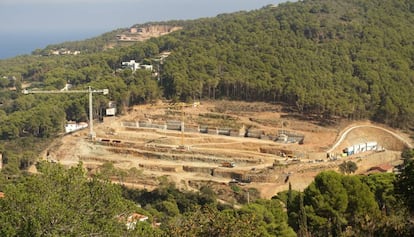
(190, 157)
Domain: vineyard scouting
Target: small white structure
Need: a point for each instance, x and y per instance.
(111, 109)
(67, 87)
(362, 147)
(136, 66)
(132, 220)
(282, 137)
(147, 67)
(72, 126)
(131, 65)
(372, 146)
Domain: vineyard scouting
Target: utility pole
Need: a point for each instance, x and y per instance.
(90, 91)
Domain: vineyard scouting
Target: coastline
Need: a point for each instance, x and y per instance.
(24, 43)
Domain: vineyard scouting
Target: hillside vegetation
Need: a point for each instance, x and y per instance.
(349, 59)
(325, 59)
(64, 202)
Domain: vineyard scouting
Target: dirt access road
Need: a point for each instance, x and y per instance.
(191, 159)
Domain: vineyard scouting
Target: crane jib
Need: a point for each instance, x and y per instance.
(89, 91)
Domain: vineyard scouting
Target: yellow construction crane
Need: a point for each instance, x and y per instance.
(90, 91)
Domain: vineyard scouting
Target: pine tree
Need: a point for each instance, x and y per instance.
(303, 225)
(289, 201)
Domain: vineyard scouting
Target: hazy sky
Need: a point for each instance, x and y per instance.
(106, 15)
(26, 25)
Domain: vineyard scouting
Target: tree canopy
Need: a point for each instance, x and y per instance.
(64, 202)
(334, 59)
(60, 202)
(318, 57)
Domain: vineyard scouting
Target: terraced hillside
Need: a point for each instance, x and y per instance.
(149, 139)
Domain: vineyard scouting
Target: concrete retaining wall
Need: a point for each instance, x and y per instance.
(163, 168)
(194, 169)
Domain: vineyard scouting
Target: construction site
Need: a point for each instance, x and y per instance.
(225, 143)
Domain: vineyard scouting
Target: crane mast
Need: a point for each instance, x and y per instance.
(90, 91)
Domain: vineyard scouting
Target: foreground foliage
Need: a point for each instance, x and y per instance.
(60, 202)
(64, 202)
(333, 59)
(343, 205)
(318, 57)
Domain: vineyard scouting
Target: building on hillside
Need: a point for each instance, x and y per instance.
(136, 66)
(131, 65)
(64, 51)
(72, 126)
(147, 67)
(384, 168)
(362, 147)
(111, 109)
(132, 220)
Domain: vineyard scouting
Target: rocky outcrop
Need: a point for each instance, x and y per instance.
(142, 33)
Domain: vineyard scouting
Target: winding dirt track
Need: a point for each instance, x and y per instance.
(346, 132)
(156, 156)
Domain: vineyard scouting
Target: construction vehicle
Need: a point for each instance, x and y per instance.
(228, 164)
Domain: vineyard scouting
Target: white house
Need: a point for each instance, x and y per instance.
(72, 126)
(131, 65)
(147, 67)
(136, 66)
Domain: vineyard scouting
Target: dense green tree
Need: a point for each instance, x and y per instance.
(302, 219)
(326, 201)
(395, 220)
(404, 185)
(317, 57)
(362, 211)
(333, 59)
(252, 220)
(382, 186)
(348, 167)
(270, 216)
(407, 154)
(62, 202)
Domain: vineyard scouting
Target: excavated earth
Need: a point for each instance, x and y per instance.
(192, 159)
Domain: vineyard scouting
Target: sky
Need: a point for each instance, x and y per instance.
(105, 15)
(26, 25)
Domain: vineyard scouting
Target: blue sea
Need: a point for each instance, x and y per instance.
(20, 43)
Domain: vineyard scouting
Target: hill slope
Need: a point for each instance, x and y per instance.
(349, 59)
(322, 59)
(332, 58)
